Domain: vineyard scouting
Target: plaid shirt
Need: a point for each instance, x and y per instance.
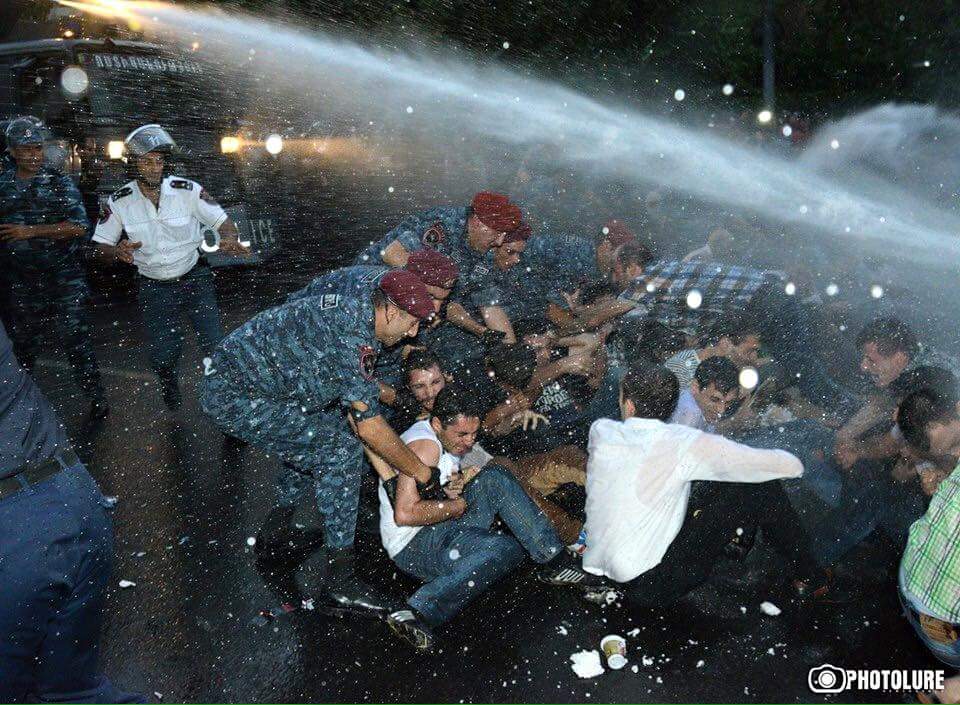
(663, 289)
(930, 570)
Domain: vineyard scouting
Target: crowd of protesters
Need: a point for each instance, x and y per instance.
(621, 413)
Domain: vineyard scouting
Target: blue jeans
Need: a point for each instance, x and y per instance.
(163, 303)
(948, 652)
(56, 557)
(461, 558)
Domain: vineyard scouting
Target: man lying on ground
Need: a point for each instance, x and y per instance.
(641, 531)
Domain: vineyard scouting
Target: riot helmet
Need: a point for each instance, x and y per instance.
(149, 138)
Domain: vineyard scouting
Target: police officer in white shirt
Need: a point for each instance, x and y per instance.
(162, 216)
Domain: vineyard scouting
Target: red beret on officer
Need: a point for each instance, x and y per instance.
(496, 211)
(616, 233)
(409, 293)
(433, 268)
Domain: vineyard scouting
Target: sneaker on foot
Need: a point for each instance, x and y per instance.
(410, 627)
(565, 571)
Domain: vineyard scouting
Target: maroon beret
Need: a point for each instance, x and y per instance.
(408, 292)
(616, 233)
(496, 212)
(433, 268)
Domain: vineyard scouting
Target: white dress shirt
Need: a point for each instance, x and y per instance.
(638, 486)
(170, 234)
(689, 413)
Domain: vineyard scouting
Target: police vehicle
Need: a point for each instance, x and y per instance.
(92, 92)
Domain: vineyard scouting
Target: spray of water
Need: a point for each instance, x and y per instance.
(434, 98)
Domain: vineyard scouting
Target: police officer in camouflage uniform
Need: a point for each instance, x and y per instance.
(298, 381)
(438, 273)
(42, 223)
(466, 235)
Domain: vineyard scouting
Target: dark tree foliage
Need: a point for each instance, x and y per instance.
(831, 54)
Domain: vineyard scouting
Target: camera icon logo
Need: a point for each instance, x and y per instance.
(827, 679)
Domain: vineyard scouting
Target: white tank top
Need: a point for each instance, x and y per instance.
(395, 538)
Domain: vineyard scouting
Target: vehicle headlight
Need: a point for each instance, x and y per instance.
(229, 144)
(115, 149)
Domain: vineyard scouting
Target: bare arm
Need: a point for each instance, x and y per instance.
(594, 315)
(65, 230)
(409, 509)
(497, 319)
(121, 252)
(395, 255)
(376, 433)
(459, 317)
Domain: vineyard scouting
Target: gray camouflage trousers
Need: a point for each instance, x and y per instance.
(317, 449)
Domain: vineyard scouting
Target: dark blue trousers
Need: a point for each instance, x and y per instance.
(163, 305)
(56, 557)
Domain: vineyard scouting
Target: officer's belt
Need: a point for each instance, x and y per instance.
(34, 473)
(176, 280)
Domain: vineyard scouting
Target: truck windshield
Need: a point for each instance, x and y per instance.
(133, 89)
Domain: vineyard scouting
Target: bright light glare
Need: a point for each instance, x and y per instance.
(74, 81)
(749, 378)
(832, 289)
(764, 116)
(274, 144)
(694, 299)
(679, 94)
(876, 291)
(790, 288)
(728, 89)
(115, 149)
(229, 144)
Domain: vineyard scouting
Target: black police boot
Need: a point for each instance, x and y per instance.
(280, 545)
(346, 592)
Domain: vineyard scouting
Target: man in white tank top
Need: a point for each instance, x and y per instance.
(446, 540)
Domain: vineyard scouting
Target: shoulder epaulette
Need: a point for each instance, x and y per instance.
(121, 192)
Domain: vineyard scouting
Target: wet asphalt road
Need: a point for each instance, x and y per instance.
(188, 630)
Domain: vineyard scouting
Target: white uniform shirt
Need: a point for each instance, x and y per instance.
(395, 538)
(170, 235)
(638, 486)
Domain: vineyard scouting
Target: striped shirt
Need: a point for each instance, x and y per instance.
(930, 569)
(681, 295)
(684, 366)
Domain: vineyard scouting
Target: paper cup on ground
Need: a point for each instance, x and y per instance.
(614, 647)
